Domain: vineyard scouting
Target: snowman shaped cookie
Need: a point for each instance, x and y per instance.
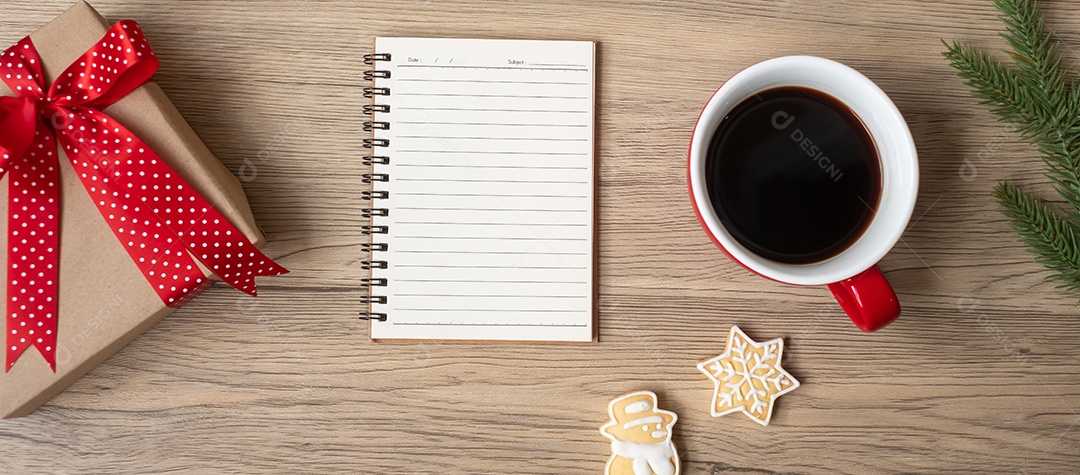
(640, 436)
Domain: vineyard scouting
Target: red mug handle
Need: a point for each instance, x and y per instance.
(868, 299)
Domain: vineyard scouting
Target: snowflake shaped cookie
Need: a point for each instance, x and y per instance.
(748, 377)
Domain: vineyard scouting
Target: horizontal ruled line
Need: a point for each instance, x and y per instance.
(491, 123)
(486, 238)
(508, 96)
(493, 195)
(425, 266)
(522, 167)
(469, 109)
(494, 295)
(449, 281)
(493, 152)
(456, 180)
(523, 68)
(532, 210)
(515, 253)
(453, 223)
(494, 81)
(560, 65)
(452, 137)
(474, 324)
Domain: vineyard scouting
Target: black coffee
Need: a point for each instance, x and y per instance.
(793, 175)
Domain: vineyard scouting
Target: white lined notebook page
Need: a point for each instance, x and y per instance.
(491, 190)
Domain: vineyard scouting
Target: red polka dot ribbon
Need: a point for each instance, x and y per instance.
(162, 222)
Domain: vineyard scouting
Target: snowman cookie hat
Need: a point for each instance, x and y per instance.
(635, 418)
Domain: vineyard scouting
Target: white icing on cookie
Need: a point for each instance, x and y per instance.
(643, 420)
(640, 406)
(656, 457)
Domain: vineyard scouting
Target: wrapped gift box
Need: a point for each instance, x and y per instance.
(105, 302)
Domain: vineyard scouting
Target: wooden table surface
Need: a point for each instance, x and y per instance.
(981, 374)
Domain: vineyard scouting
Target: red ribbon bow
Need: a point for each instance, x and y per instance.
(160, 220)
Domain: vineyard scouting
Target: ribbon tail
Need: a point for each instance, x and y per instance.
(222, 248)
(149, 206)
(33, 250)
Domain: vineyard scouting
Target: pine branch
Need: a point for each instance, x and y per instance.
(999, 87)
(1036, 95)
(1035, 52)
(1054, 240)
(1015, 101)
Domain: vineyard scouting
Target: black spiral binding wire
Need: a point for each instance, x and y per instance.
(371, 158)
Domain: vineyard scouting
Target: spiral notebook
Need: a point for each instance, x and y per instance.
(482, 190)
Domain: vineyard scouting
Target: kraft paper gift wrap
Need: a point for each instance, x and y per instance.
(105, 302)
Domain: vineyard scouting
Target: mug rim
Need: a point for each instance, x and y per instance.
(891, 136)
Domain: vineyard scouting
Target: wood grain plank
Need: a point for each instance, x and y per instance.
(981, 374)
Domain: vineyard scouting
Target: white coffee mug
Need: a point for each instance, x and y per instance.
(852, 275)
